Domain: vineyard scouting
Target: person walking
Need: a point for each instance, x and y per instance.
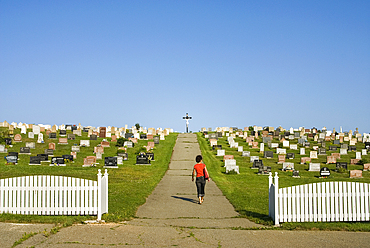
(201, 173)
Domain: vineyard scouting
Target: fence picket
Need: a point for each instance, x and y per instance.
(345, 201)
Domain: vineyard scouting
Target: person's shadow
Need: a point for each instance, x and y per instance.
(186, 199)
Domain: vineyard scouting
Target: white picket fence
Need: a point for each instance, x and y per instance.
(54, 195)
(319, 202)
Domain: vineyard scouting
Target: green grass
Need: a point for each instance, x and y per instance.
(248, 192)
(129, 185)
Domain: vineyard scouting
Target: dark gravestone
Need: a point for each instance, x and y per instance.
(110, 161)
(295, 173)
(142, 159)
(85, 129)
(143, 136)
(8, 141)
(341, 165)
(324, 172)
(11, 159)
(62, 132)
(344, 146)
(253, 133)
(290, 156)
(71, 136)
(49, 152)
(257, 164)
(205, 132)
(156, 139)
(296, 135)
(150, 156)
(74, 127)
(124, 155)
(264, 170)
(266, 139)
(321, 151)
(352, 148)
(43, 157)
(367, 145)
(68, 157)
(268, 154)
(68, 127)
(306, 144)
(57, 160)
(332, 148)
(35, 160)
(336, 142)
(219, 134)
(52, 135)
(213, 136)
(128, 135)
(217, 147)
(93, 137)
(13, 154)
(323, 144)
(25, 150)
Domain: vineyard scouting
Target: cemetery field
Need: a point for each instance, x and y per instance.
(248, 191)
(129, 184)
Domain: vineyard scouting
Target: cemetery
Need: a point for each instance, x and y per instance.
(299, 156)
(68, 151)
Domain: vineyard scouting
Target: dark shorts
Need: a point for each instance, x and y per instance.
(201, 183)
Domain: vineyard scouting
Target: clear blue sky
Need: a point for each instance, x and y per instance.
(226, 63)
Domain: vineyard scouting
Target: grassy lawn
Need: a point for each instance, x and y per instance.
(129, 185)
(248, 192)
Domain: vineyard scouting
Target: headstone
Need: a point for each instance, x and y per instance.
(226, 157)
(71, 136)
(85, 143)
(343, 151)
(313, 154)
(262, 147)
(105, 144)
(110, 162)
(286, 143)
(31, 135)
(49, 152)
(240, 148)
(156, 139)
(57, 161)
(142, 159)
(324, 172)
(336, 142)
(302, 151)
(264, 170)
(246, 154)
(102, 132)
(34, 160)
(288, 166)
(62, 132)
(229, 162)
(355, 174)
(52, 135)
(25, 150)
(252, 158)
(280, 151)
(93, 137)
(352, 148)
(31, 145)
(354, 161)
(314, 167)
(321, 151)
(305, 159)
(367, 167)
(75, 149)
(63, 141)
(290, 155)
(36, 129)
(296, 174)
(281, 159)
(52, 146)
(256, 164)
(341, 165)
(128, 144)
(293, 146)
(89, 161)
(268, 154)
(358, 155)
(74, 155)
(99, 156)
(17, 138)
(43, 157)
(220, 153)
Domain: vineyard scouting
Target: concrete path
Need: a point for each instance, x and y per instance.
(172, 217)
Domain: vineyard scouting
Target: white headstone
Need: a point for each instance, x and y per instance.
(240, 148)
(85, 143)
(220, 152)
(293, 146)
(280, 151)
(262, 147)
(302, 151)
(364, 152)
(314, 167)
(230, 162)
(23, 129)
(252, 158)
(313, 154)
(36, 129)
(119, 160)
(40, 138)
(343, 151)
(286, 143)
(31, 135)
(358, 155)
(288, 166)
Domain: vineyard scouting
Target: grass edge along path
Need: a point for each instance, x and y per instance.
(129, 185)
(248, 193)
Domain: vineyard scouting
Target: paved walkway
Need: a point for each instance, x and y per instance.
(172, 217)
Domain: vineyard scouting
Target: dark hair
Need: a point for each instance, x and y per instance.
(198, 158)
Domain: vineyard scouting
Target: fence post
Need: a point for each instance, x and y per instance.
(270, 195)
(104, 189)
(276, 195)
(99, 195)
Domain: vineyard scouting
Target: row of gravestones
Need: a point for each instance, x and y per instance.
(230, 162)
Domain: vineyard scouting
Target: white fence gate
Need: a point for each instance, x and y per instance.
(54, 195)
(319, 202)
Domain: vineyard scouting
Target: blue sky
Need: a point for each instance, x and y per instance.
(226, 63)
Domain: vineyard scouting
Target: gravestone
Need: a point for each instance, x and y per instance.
(36, 129)
(25, 150)
(288, 166)
(102, 132)
(331, 160)
(246, 154)
(63, 141)
(332, 148)
(124, 155)
(142, 159)
(354, 161)
(93, 137)
(49, 152)
(336, 142)
(344, 146)
(296, 174)
(143, 136)
(355, 174)
(256, 164)
(343, 151)
(341, 165)
(3, 149)
(290, 155)
(324, 172)
(105, 144)
(305, 159)
(31, 145)
(286, 143)
(57, 161)
(268, 154)
(11, 159)
(89, 161)
(280, 151)
(313, 154)
(17, 138)
(302, 151)
(110, 162)
(156, 139)
(358, 155)
(43, 157)
(226, 157)
(99, 156)
(119, 160)
(314, 167)
(52, 135)
(75, 149)
(281, 159)
(264, 170)
(367, 167)
(128, 144)
(364, 152)
(99, 149)
(252, 158)
(85, 143)
(321, 151)
(220, 153)
(71, 136)
(293, 147)
(52, 146)
(62, 132)
(150, 156)
(31, 135)
(34, 160)
(352, 148)
(229, 162)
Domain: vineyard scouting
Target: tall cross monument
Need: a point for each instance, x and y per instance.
(187, 118)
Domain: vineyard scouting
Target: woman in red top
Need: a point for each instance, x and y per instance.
(199, 171)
